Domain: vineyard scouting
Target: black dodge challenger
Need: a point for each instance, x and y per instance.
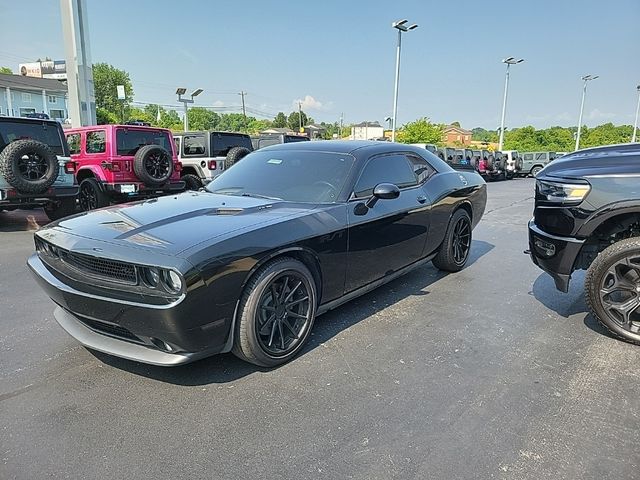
(247, 264)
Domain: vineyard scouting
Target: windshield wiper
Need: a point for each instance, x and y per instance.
(257, 195)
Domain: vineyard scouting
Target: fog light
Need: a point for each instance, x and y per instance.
(545, 248)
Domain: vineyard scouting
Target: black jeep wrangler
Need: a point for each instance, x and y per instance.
(35, 168)
(587, 217)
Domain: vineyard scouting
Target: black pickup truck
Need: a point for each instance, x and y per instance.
(587, 217)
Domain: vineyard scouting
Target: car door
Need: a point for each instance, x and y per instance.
(392, 233)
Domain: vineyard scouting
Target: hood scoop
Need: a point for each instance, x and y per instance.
(227, 211)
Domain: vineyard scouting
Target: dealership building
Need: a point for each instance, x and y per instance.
(22, 95)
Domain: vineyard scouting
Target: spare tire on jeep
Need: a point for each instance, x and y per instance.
(491, 161)
(235, 155)
(29, 166)
(153, 165)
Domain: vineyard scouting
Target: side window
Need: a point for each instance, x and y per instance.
(96, 142)
(193, 145)
(73, 139)
(385, 169)
(541, 157)
(528, 156)
(421, 169)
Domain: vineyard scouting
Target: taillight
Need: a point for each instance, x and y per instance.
(213, 164)
(70, 167)
(178, 167)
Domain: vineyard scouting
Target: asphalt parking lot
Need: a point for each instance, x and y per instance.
(487, 373)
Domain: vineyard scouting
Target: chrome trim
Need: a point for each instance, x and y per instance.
(38, 269)
(536, 230)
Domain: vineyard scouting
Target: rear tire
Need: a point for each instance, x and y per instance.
(235, 155)
(91, 195)
(535, 171)
(192, 182)
(454, 251)
(60, 208)
(276, 313)
(612, 289)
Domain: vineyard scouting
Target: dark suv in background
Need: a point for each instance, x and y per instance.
(587, 217)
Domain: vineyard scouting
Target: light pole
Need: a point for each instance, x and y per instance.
(509, 61)
(401, 27)
(186, 102)
(635, 124)
(585, 79)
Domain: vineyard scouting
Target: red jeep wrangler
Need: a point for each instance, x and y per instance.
(122, 163)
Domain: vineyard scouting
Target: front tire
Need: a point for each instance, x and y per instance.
(612, 289)
(276, 313)
(454, 251)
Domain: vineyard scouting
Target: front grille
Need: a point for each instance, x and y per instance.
(110, 329)
(108, 269)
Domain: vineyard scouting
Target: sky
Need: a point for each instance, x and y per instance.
(338, 57)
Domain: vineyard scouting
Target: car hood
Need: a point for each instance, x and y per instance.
(175, 223)
(592, 164)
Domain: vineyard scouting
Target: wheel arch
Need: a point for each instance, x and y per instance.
(86, 172)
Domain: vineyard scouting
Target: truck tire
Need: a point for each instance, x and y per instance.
(235, 155)
(192, 182)
(60, 208)
(611, 289)
(153, 165)
(29, 166)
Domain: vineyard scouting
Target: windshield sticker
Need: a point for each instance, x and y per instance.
(275, 161)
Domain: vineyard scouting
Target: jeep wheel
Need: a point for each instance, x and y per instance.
(235, 155)
(91, 195)
(192, 181)
(153, 165)
(29, 166)
(60, 208)
(612, 289)
(535, 171)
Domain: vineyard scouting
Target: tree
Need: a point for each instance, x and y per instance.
(104, 117)
(482, 135)
(106, 78)
(203, 119)
(170, 119)
(293, 122)
(233, 122)
(280, 121)
(421, 131)
(6, 70)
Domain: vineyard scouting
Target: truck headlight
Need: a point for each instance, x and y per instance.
(564, 193)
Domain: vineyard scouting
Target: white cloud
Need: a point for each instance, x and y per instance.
(218, 103)
(310, 103)
(596, 114)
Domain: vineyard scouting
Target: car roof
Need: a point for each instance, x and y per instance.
(617, 148)
(365, 147)
(29, 120)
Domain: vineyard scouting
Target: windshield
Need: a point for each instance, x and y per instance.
(42, 132)
(314, 177)
(129, 140)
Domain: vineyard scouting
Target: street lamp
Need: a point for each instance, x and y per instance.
(509, 61)
(400, 25)
(635, 124)
(585, 79)
(186, 102)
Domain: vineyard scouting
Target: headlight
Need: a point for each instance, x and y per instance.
(150, 276)
(172, 281)
(565, 193)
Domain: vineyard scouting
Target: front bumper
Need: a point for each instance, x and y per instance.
(553, 254)
(164, 335)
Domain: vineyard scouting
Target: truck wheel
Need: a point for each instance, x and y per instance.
(235, 155)
(192, 181)
(60, 208)
(535, 171)
(29, 166)
(454, 251)
(612, 289)
(153, 165)
(91, 195)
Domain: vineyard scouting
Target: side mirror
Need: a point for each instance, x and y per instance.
(383, 191)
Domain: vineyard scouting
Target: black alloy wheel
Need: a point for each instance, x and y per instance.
(612, 288)
(461, 240)
(284, 314)
(158, 165)
(91, 195)
(33, 167)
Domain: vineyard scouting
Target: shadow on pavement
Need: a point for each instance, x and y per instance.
(564, 304)
(226, 367)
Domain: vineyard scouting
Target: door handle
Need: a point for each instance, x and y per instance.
(422, 199)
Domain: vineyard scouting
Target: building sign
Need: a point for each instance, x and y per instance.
(55, 69)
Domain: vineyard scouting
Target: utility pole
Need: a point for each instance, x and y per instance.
(244, 111)
(635, 124)
(300, 116)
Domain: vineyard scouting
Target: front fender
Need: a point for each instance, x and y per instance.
(603, 214)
